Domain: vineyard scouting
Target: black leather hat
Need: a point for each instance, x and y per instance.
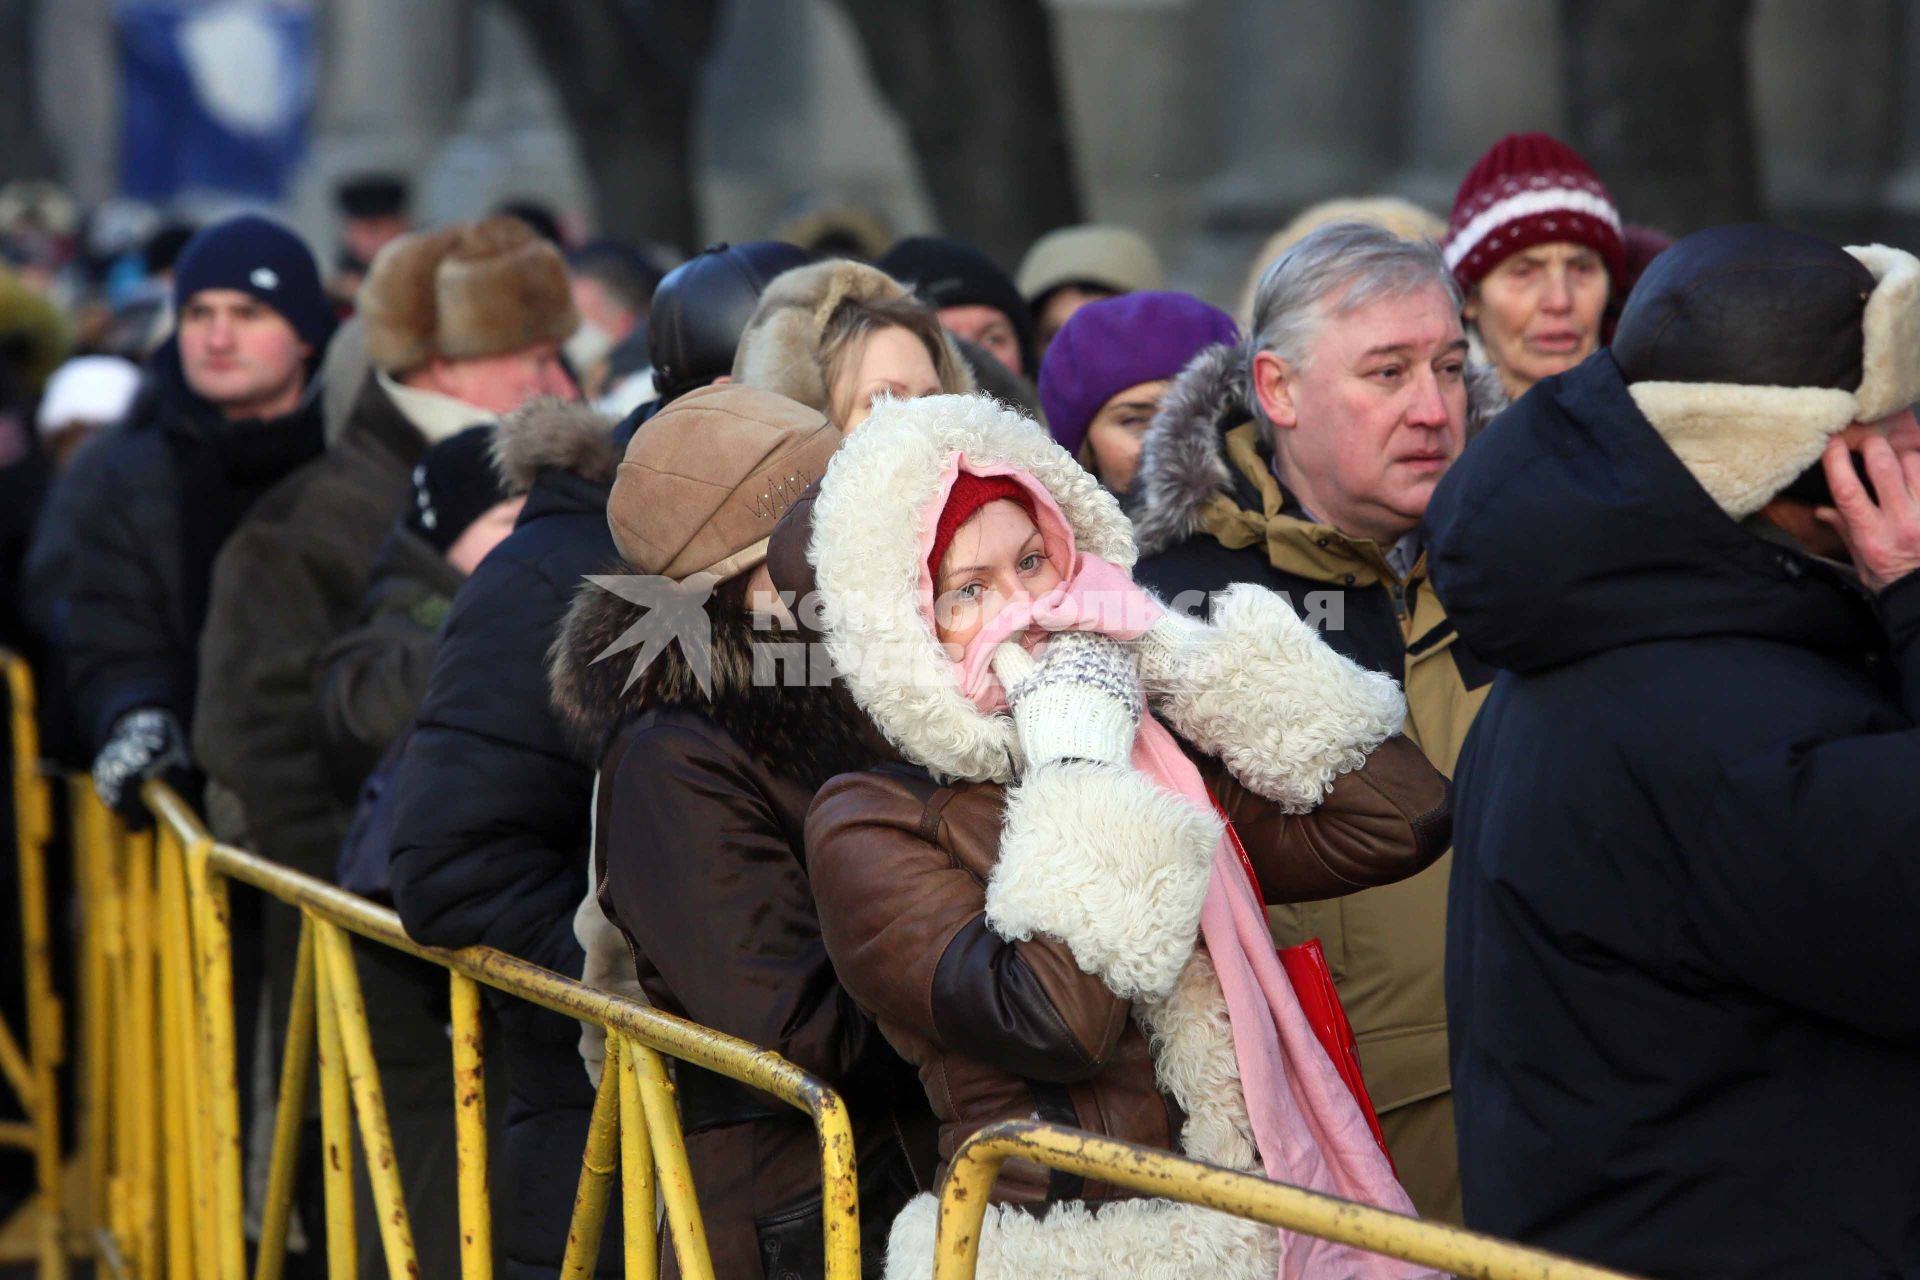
(703, 304)
(1750, 305)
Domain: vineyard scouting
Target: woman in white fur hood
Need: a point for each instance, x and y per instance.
(1044, 910)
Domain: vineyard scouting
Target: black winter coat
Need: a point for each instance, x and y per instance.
(1681, 946)
(492, 839)
(151, 503)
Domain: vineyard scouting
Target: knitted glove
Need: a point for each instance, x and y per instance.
(1081, 703)
(1166, 651)
(147, 743)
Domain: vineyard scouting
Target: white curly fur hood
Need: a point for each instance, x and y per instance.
(866, 558)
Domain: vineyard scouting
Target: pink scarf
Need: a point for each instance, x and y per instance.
(1309, 1131)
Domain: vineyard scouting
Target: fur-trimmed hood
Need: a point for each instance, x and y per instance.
(780, 348)
(866, 555)
(553, 433)
(805, 731)
(1184, 461)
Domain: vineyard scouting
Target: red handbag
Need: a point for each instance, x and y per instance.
(1306, 968)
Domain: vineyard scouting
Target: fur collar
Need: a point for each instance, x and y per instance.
(865, 551)
(1184, 462)
(552, 433)
(805, 732)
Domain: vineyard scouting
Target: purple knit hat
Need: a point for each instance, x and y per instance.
(1107, 346)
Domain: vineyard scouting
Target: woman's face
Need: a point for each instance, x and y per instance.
(1538, 312)
(1118, 430)
(995, 558)
(889, 362)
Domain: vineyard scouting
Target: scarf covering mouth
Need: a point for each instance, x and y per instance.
(1307, 1128)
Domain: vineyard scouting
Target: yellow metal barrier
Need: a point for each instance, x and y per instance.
(635, 1131)
(964, 1198)
(160, 1159)
(33, 1070)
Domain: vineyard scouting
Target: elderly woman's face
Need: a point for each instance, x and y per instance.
(1538, 312)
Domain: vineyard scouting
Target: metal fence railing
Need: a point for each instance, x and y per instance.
(158, 1161)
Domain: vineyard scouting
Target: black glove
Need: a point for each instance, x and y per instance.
(148, 743)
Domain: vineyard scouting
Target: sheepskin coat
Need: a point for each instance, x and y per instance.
(701, 801)
(1029, 938)
(1685, 1037)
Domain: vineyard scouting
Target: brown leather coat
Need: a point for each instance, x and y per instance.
(1000, 1029)
(698, 825)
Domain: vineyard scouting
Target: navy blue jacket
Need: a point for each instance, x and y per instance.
(1681, 948)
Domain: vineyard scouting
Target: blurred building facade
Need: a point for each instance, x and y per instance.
(1205, 123)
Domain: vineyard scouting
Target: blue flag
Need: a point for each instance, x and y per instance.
(214, 96)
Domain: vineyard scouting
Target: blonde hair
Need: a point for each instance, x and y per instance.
(855, 320)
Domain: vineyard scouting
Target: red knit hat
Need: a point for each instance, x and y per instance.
(970, 493)
(1529, 189)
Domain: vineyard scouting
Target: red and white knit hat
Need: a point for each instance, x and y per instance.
(1529, 189)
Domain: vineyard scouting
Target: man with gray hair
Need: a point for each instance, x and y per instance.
(1302, 459)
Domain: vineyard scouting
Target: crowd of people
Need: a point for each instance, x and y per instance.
(1499, 633)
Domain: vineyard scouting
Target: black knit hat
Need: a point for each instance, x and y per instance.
(257, 256)
(948, 273)
(454, 484)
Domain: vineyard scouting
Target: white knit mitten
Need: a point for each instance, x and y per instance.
(1082, 702)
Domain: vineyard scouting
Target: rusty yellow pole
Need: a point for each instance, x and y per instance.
(296, 1074)
(671, 1167)
(363, 1075)
(219, 1081)
(470, 1129)
(963, 1205)
(640, 1228)
(596, 1174)
(140, 1099)
(839, 1187)
(181, 1133)
(99, 934)
(32, 826)
(336, 1122)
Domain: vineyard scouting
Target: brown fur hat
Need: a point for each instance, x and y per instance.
(462, 292)
(780, 348)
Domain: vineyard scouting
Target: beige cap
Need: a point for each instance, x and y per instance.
(705, 480)
(1112, 257)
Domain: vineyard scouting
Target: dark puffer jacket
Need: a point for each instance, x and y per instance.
(491, 845)
(150, 505)
(288, 583)
(702, 806)
(1680, 955)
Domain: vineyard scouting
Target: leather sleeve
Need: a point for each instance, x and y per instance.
(1379, 824)
(905, 924)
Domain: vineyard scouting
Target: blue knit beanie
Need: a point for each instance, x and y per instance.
(260, 257)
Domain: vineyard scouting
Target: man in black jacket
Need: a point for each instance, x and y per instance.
(1680, 948)
(491, 840)
(230, 408)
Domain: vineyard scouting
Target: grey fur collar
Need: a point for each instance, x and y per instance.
(1185, 463)
(552, 433)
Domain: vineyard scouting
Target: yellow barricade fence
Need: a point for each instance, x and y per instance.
(33, 1070)
(160, 1155)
